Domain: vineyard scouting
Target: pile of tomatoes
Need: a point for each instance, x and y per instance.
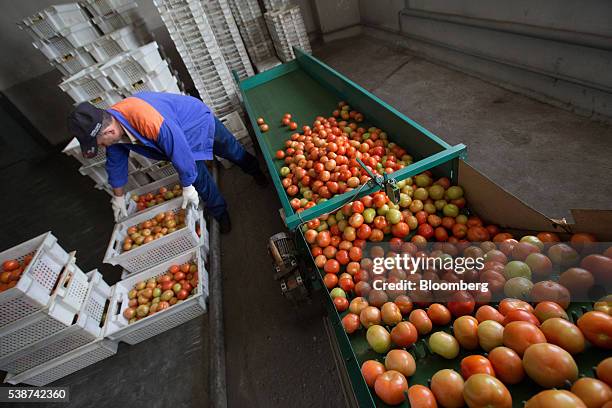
(150, 199)
(161, 292)
(12, 269)
(320, 162)
(157, 227)
(521, 341)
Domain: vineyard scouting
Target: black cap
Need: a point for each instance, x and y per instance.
(84, 123)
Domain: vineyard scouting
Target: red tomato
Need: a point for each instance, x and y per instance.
(483, 390)
(476, 364)
(507, 364)
(520, 315)
(447, 386)
(391, 387)
(487, 312)
(461, 304)
(520, 335)
(330, 280)
(600, 266)
(604, 371)
(350, 322)
(550, 291)
(341, 304)
(421, 321)
(404, 334)
(564, 334)
(331, 266)
(439, 314)
(347, 284)
(549, 365)
(597, 328)
(465, 330)
(555, 399)
(548, 237)
(370, 370)
(404, 303)
(357, 207)
(547, 310)
(420, 396)
(511, 304)
(592, 392)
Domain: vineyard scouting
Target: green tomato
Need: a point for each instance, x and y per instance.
(444, 344)
(382, 210)
(337, 292)
(421, 194)
(423, 180)
(368, 215)
(440, 204)
(394, 216)
(436, 192)
(284, 171)
(454, 192)
(405, 200)
(516, 269)
(450, 210)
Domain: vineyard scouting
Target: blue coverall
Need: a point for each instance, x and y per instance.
(180, 129)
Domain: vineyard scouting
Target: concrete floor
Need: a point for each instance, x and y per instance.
(277, 357)
(552, 159)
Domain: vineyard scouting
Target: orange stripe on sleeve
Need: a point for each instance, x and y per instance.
(143, 117)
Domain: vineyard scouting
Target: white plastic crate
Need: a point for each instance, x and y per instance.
(286, 27)
(113, 44)
(130, 67)
(38, 281)
(277, 4)
(86, 329)
(87, 84)
(73, 149)
(67, 40)
(65, 365)
(121, 17)
(168, 182)
(97, 172)
(104, 7)
(56, 316)
(160, 171)
(118, 327)
(267, 64)
(159, 250)
(233, 122)
(49, 22)
(107, 99)
(160, 80)
(73, 62)
(244, 10)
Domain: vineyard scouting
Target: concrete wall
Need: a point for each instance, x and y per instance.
(557, 51)
(338, 19)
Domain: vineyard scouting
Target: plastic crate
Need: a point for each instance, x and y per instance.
(38, 281)
(97, 172)
(113, 44)
(233, 122)
(118, 327)
(267, 64)
(130, 67)
(286, 27)
(56, 316)
(244, 10)
(277, 4)
(49, 22)
(104, 7)
(159, 250)
(160, 171)
(107, 99)
(168, 182)
(86, 329)
(73, 149)
(87, 84)
(160, 80)
(67, 364)
(121, 17)
(73, 62)
(67, 40)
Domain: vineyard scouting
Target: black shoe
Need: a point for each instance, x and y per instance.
(260, 179)
(225, 224)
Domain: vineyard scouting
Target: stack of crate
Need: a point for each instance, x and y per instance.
(192, 33)
(228, 37)
(51, 312)
(287, 29)
(252, 26)
(100, 49)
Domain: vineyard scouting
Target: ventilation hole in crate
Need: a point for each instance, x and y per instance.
(29, 334)
(45, 273)
(71, 366)
(16, 309)
(71, 341)
(95, 307)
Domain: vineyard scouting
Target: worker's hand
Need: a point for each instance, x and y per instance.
(190, 196)
(119, 208)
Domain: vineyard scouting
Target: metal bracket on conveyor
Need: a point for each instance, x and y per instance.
(389, 184)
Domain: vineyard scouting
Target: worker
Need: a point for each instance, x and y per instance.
(163, 126)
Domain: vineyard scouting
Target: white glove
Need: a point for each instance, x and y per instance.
(190, 196)
(119, 208)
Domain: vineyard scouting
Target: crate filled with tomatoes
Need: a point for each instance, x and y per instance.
(153, 301)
